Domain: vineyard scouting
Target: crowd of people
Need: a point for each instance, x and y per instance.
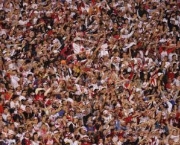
(89, 72)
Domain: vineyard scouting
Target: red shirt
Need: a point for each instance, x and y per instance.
(28, 142)
(128, 119)
(86, 143)
(116, 36)
(178, 115)
(171, 75)
(39, 98)
(120, 135)
(170, 50)
(168, 86)
(1, 109)
(7, 96)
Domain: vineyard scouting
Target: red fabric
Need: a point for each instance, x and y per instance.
(120, 114)
(8, 75)
(1, 109)
(139, 44)
(63, 52)
(131, 76)
(7, 96)
(127, 84)
(128, 119)
(39, 97)
(69, 87)
(168, 86)
(49, 102)
(28, 24)
(27, 142)
(116, 36)
(86, 143)
(171, 75)
(161, 49)
(79, 9)
(50, 32)
(54, 15)
(170, 50)
(93, 2)
(115, 11)
(120, 135)
(87, 69)
(178, 115)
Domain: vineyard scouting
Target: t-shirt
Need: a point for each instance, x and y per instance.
(1, 109)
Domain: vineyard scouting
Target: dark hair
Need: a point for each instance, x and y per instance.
(34, 135)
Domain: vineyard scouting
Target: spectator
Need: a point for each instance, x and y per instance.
(89, 72)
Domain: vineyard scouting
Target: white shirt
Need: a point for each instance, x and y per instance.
(103, 50)
(2, 32)
(177, 82)
(107, 118)
(10, 141)
(34, 143)
(4, 116)
(119, 143)
(163, 54)
(175, 138)
(76, 143)
(69, 1)
(77, 48)
(14, 104)
(14, 81)
(21, 22)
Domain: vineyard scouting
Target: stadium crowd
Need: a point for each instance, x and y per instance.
(89, 72)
